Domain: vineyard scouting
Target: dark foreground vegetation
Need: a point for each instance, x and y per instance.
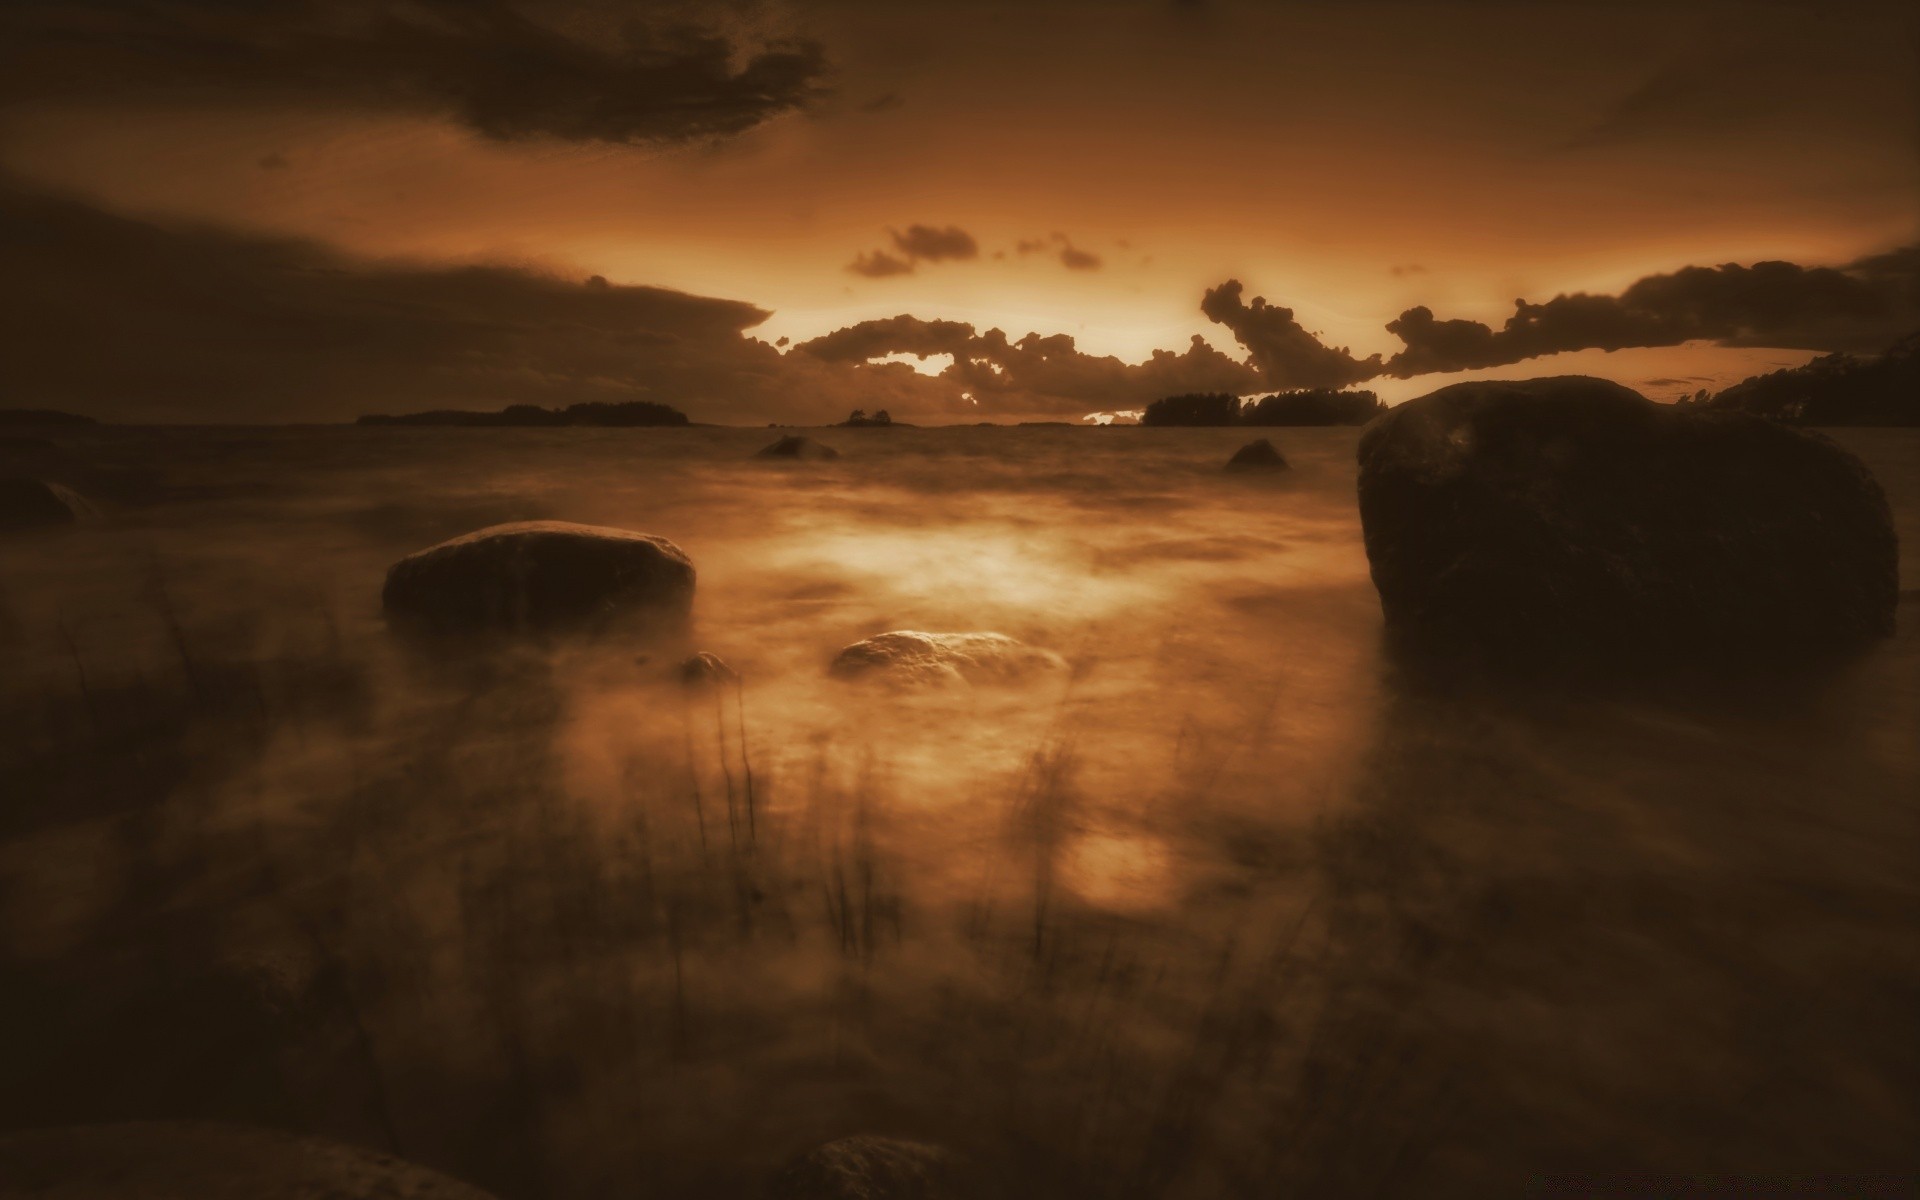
(1315, 406)
(1836, 389)
(630, 413)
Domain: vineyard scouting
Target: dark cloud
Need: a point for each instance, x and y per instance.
(884, 103)
(579, 70)
(1278, 347)
(924, 242)
(1030, 245)
(917, 244)
(878, 264)
(138, 321)
(1767, 304)
(891, 335)
(1075, 259)
(1038, 373)
(273, 161)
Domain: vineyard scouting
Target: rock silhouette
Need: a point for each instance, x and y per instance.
(37, 503)
(907, 657)
(534, 577)
(795, 446)
(865, 1167)
(176, 1160)
(1572, 521)
(1257, 456)
(706, 670)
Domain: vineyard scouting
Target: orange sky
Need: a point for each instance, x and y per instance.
(1346, 160)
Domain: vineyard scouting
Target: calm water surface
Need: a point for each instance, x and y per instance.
(1229, 909)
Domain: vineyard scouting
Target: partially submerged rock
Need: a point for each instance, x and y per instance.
(201, 1160)
(706, 670)
(911, 658)
(865, 1167)
(1571, 520)
(534, 577)
(1257, 455)
(40, 504)
(795, 446)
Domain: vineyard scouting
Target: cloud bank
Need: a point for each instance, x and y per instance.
(135, 320)
(579, 71)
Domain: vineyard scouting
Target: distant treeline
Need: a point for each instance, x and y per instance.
(1836, 389)
(1313, 406)
(633, 412)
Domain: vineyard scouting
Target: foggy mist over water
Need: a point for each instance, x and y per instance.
(1229, 901)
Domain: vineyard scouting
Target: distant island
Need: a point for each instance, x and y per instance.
(1311, 406)
(1835, 389)
(16, 417)
(859, 419)
(631, 413)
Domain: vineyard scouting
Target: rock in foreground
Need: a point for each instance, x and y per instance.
(874, 1168)
(1257, 456)
(795, 446)
(534, 577)
(1571, 521)
(191, 1160)
(38, 504)
(909, 658)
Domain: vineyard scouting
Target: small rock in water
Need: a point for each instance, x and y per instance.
(539, 577)
(706, 670)
(865, 1167)
(39, 504)
(910, 658)
(1257, 456)
(795, 446)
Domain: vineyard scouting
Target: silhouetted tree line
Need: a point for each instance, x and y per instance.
(632, 412)
(859, 417)
(1310, 406)
(1836, 389)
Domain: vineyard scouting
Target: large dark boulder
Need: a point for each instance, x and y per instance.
(1567, 521)
(797, 447)
(193, 1160)
(909, 658)
(535, 577)
(37, 504)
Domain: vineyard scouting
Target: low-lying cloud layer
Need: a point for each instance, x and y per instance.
(1768, 304)
(1036, 373)
(568, 69)
(128, 319)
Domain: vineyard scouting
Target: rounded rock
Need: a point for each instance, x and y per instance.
(796, 447)
(40, 504)
(540, 577)
(907, 657)
(1572, 522)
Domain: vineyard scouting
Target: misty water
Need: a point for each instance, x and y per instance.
(1229, 908)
